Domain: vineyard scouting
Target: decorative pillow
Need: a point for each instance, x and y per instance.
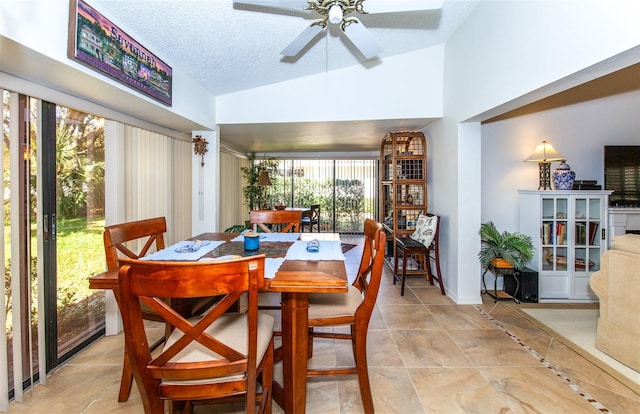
(425, 229)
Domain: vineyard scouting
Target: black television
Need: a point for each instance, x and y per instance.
(622, 175)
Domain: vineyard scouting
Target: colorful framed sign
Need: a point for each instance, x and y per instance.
(101, 45)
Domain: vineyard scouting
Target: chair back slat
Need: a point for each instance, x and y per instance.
(289, 219)
(312, 218)
(315, 212)
(436, 236)
(223, 367)
(371, 264)
(115, 236)
(325, 312)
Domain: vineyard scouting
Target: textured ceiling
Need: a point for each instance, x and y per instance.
(229, 47)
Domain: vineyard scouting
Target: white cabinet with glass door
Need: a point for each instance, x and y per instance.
(568, 229)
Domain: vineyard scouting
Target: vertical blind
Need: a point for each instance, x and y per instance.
(157, 180)
(345, 189)
(155, 171)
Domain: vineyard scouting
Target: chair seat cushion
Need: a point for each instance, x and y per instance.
(230, 329)
(323, 305)
(269, 299)
(409, 243)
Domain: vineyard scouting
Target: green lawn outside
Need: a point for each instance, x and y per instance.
(80, 256)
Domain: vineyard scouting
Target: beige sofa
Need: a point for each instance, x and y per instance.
(617, 285)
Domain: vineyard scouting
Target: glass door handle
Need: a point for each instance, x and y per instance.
(49, 234)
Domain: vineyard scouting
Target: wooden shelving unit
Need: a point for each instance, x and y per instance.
(403, 189)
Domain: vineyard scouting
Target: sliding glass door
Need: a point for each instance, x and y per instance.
(73, 213)
(53, 188)
(345, 189)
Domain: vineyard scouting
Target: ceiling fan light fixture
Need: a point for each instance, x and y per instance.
(341, 12)
(335, 14)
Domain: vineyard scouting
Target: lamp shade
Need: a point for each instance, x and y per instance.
(545, 153)
(264, 179)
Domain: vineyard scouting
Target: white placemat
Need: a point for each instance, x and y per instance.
(272, 237)
(319, 236)
(271, 267)
(329, 250)
(169, 253)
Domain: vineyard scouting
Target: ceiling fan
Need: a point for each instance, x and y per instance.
(341, 13)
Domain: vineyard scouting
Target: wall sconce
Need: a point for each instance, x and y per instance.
(544, 155)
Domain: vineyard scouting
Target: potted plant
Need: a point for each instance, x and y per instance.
(504, 249)
(252, 192)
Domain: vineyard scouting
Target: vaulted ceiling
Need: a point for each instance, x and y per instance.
(229, 47)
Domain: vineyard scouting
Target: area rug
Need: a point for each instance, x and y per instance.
(347, 246)
(576, 328)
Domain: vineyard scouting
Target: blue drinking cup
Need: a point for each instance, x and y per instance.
(251, 241)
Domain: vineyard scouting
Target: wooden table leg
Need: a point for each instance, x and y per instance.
(295, 324)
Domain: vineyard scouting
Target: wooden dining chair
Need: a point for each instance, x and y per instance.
(121, 241)
(313, 219)
(421, 254)
(288, 220)
(352, 309)
(215, 358)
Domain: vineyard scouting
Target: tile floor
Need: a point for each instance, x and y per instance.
(426, 355)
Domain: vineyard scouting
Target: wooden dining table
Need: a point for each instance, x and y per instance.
(306, 211)
(294, 280)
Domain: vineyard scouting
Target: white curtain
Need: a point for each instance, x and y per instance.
(157, 180)
(147, 175)
(231, 183)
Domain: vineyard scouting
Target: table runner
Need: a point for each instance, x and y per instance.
(271, 237)
(169, 253)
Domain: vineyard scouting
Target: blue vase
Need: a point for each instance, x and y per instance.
(563, 177)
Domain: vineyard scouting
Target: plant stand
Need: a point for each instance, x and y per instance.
(500, 272)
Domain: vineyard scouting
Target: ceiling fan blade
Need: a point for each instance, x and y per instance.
(393, 6)
(362, 38)
(301, 40)
(285, 4)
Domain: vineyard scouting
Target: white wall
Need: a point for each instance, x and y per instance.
(205, 185)
(405, 86)
(507, 49)
(505, 55)
(232, 208)
(33, 36)
(577, 131)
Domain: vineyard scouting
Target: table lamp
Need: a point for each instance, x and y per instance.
(544, 155)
